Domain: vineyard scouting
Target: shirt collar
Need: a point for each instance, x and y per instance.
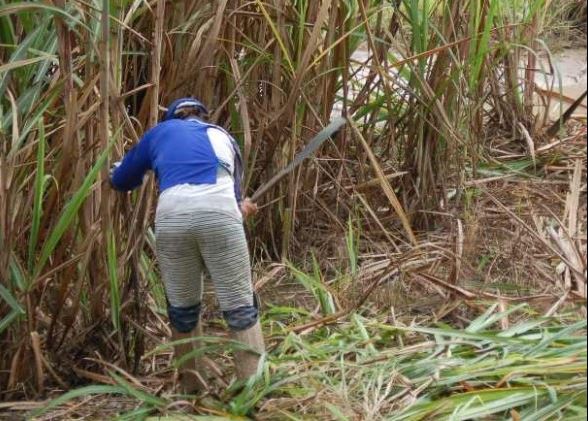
(194, 119)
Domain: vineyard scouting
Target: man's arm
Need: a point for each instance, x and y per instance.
(129, 174)
(248, 208)
(237, 171)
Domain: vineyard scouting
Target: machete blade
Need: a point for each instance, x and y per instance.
(312, 146)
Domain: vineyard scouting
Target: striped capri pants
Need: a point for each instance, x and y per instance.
(187, 244)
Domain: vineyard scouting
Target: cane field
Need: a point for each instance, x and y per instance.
(428, 262)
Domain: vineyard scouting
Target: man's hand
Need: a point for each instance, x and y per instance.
(248, 208)
(113, 168)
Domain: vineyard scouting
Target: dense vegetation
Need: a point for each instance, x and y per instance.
(439, 95)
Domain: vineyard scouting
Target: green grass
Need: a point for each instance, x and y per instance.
(536, 367)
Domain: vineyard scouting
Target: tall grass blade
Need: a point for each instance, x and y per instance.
(76, 393)
(69, 212)
(39, 190)
(115, 302)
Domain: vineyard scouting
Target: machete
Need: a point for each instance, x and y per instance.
(312, 146)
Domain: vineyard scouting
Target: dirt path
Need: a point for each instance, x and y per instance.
(567, 80)
(569, 76)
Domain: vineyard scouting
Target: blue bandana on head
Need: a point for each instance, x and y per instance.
(178, 104)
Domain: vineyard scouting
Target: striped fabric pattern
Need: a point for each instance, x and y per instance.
(189, 243)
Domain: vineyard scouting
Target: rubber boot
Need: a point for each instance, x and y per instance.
(247, 361)
(191, 380)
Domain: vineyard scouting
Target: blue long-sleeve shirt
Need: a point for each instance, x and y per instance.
(179, 152)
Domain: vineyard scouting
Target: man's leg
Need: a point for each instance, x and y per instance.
(189, 366)
(223, 247)
(181, 269)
